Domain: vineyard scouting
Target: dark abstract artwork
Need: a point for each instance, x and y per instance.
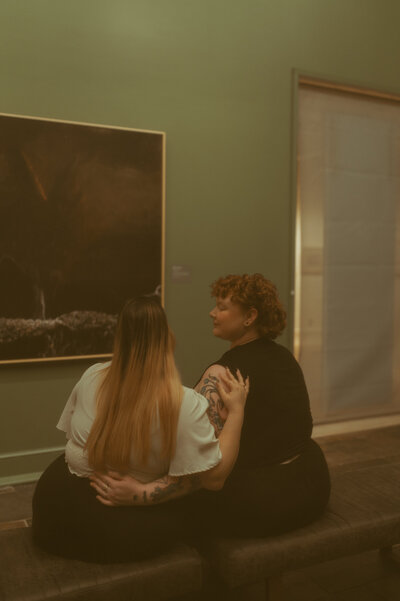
(81, 229)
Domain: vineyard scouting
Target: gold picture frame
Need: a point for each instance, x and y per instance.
(82, 227)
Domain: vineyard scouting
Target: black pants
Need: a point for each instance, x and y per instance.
(69, 521)
(265, 500)
(261, 501)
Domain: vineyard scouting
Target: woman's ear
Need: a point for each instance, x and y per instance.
(251, 317)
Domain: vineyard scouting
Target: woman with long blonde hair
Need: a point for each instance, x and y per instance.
(133, 416)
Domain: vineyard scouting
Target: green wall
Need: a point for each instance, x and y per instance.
(216, 76)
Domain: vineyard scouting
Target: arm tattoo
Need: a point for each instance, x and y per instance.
(210, 392)
(160, 494)
(171, 487)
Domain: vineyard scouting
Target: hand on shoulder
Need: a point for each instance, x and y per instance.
(223, 392)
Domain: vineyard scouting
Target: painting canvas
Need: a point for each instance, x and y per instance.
(81, 231)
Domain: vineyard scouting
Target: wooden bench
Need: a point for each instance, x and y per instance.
(363, 514)
(29, 574)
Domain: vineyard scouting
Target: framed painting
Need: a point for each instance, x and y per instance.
(81, 231)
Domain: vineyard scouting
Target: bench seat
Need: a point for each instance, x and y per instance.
(363, 514)
(29, 574)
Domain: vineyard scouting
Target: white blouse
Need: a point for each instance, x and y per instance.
(197, 448)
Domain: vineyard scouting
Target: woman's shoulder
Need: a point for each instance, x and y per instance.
(95, 369)
(260, 356)
(92, 373)
(259, 347)
(215, 370)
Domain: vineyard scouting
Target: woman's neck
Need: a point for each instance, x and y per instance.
(247, 337)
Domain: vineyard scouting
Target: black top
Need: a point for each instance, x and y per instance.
(278, 422)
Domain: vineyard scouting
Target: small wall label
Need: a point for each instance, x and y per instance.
(181, 274)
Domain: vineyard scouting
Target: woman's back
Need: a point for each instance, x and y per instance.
(267, 494)
(196, 446)
(278, 420)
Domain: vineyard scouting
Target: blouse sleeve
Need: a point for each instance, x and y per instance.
(64, 423)
(197, 448)
(83, 392)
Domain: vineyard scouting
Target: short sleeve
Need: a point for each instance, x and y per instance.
(81, 401)
(64, 423)
(197, 448)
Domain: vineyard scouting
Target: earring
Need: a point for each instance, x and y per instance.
(246, 323)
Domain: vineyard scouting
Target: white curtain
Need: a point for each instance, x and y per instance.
(347, 336)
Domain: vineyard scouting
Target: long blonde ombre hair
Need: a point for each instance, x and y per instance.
(141, 385)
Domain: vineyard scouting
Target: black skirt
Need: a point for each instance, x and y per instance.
(69, 521)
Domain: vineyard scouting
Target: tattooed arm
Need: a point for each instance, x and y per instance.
(116, 489)
(207, 386)
(233, 394)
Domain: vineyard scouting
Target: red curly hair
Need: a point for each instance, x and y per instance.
(254, 291)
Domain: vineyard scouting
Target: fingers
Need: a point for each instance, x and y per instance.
(239, 381)
(102, 495)
(100, 489)
(99, 484)
(227, 382)
(102, 486)
(229, 374)
(105, 501)
(231, 378)
(239, 377)
(228, 379)
(115, 475)
(107, 477)
(231, 382)
(221, 391)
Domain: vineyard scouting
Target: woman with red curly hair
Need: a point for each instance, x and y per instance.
(280, 480)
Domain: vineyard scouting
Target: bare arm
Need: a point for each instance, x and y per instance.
(116, 489)
(207, 386)
(229, 436)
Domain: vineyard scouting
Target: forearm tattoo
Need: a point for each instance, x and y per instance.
(168, 491)
(170, 487)
(210, 392)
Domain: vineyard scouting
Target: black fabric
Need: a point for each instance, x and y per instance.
(262, 496)
(278, 420)
(363, 513)
(69, 521)
(264, 500)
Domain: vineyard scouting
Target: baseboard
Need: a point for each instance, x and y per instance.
(20, 479)
(355, 425)
(26, 466)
